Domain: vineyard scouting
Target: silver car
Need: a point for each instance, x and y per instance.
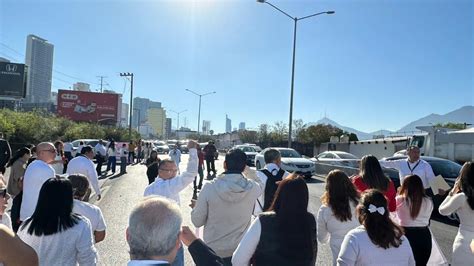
(291, 161)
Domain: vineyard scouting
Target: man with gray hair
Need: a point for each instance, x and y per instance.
(269, 176)
(154, 235)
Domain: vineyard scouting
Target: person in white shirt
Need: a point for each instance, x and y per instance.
(4, 197)
(101, 155)
(79, 148)
(68, 150)
(414, 211)
(413, 165)
(112, 157)
(337, 214)
(378, 241)
(269, 177)
(461, 201)
(59, 236)
(58, 163)
(175, 155)
(80, 185)
(83, 165)
(35, 175)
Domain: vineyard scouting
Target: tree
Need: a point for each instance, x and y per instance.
(298, 126)
(264, 135)
(452, 125)
(211, 132)
(280, 132)
(247, 136)
(319, 134)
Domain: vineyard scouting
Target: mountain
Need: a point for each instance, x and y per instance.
(462, 115)
(327, 121)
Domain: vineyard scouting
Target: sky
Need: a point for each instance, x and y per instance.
(374, 64)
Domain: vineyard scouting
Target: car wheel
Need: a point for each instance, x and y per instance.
(258, 165)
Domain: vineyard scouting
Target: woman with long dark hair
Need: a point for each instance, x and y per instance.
(17, 166)
(378, 241)
(371, 176)
(152, 166)
(414, 211)
(111, 155)
(59, 236)
(59, 160)
(336, 216)
(461, 201)
(286, 234)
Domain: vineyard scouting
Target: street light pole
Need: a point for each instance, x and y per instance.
(295, 19)
(128, 74)
(178, 113)
(199, 113)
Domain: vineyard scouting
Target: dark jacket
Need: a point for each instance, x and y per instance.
(204, 255)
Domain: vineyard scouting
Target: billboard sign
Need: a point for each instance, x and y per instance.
(88, 106)
(12, 80)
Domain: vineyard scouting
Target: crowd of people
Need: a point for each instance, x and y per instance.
(247, 217)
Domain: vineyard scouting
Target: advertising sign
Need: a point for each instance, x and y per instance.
(88, 106)
(12, 80)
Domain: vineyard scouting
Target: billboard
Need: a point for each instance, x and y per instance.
(89, 106)
(12, 80)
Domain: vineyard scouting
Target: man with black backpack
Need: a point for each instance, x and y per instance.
(269, 176)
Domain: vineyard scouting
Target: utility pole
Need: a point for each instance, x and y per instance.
(101, 82)
(128, 74)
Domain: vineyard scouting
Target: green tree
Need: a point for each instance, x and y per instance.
(279, 132)
(247, 136)
(264, 135)
(451, 125)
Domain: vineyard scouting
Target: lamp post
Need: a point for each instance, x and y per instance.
(295, 20)
(199, 113)
(178, 113)
(128, 74)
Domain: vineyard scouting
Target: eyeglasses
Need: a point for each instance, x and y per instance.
(169, 170)
(3, 193)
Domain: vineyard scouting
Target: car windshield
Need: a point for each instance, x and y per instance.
(447, 169)
(289, 154)
(346, 156)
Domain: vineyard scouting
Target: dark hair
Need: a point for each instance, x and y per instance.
(81, 142)
(413, 191)
(235, 160)
(271, 155)
(382, 231)
(53, 211)
(86, 149)
(338, 195)
(467, 182)
(56, 145)
(112, 145)
(80, 185)
(154, 152)
(372, 174)
(165, 161)
(18, 154)
(294, 222)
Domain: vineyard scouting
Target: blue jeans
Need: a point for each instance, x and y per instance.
(179, 260)
(111, 163)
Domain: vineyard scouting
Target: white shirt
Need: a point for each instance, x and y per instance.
(68, 147)
(58, 167)
(35, 175)
(170, 188)
(79, 149)
(403, 213)
(458, 204)
(123, 152)
(175, 155)
(65, 248)
(420, 168)
(272, 168)
(99, 148)
(111, 152)
(332, 230)
(83, 165)
(358, 249)
(91, 212)
(6, 220)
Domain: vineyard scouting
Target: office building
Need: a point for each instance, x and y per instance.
(39, 59)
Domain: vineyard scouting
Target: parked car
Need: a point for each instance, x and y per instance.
(250, 152)
(291, 161)
(75, 144)
(326, 161)
(161, 147)
(255, 146)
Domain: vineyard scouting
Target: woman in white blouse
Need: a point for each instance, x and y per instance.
(58, 236)
(414, 211)
(461, 201)
(336, 216)
(378, 241)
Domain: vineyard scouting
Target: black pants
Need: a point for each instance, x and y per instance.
(201, 176)
(100, 161)
(210, 166)
(420, 242)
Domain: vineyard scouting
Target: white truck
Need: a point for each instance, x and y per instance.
(454, 145)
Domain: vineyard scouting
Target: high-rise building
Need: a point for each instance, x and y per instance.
(228, 124)
(39, 59)
(81, 86)
(124, 116)
(157, 120)
(206, 127)
(242, 126)
(140, 109)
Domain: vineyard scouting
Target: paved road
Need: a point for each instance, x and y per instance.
(121, 193)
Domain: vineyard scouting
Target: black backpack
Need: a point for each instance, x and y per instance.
(270, 187)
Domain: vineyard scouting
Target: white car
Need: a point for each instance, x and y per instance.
(161, 147)
(249, 151)
(291, 161)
